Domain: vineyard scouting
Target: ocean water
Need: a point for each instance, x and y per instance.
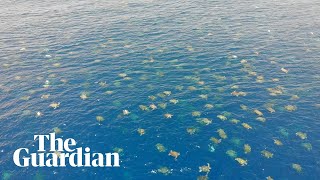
(203, 52)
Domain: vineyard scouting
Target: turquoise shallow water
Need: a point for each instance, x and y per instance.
(196, 50)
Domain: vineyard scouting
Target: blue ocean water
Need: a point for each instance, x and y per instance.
(119, 53)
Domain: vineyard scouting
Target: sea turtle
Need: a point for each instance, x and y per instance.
(153, 106)
(290, 108)
(141, 131)
(164, 170)
(234, 121)
(180, 88)
(222, 134)
(122, 75)
(231, 153)
(192, 88)
(108, 92)
(103, 84)
(247, 126)
(277, 142)
(83, 96)
(308, 146)
(167, 93)
(261, 119)
(252, 73)
(301, 135)
(205, 168)
(257, 112)
(168, 116)
(297, 167)
(100, 118)
(126, 112)
(243, 61)
(241, 161)
(267, 154)
(294, 97)
(196, 113)
(269, 178)
(161, 95)
(57, 130)
(45, 96)
(240, 93)
(247, 148)
(55, 105)
(284, 70)
(234, 87)
(243, 107)
(173, 101)
(260, 77)
(192, 130)
(208, 106)
(127, 78)
(160, 147)
(271, 110)
(118, 150)
(222, 117)
(204, 121)
(162, 105)
(56, 64)
(202, 177)
(143, 107)
(203, 96)
(215, 140)
(57, 153)
(25, 98)
(152, 98)
(174, 154)
(275, 91)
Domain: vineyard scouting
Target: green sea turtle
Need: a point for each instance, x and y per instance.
(205, 168)
(247, 148)
(100, 118)
(297, 167)
(204, 121)
(241, 161)
(57, 130)
(247, 126)
(153, 106)
(290, 108)
(301, 135)
(160, 147)
(257, 112)
(277, 142)
(54, 105)
(192, 130)
(267, 154)
(222, 117)
(208, 106)
(168, 116)
(141, 131)
(143, 107)
(164, 170)
(231, 153)
(222, 134)
(174, 154)
(196, 113)
(173, 101)
(215, 140)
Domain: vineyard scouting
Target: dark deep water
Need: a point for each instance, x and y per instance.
(201, 51)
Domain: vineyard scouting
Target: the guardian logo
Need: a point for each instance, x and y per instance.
(61, 154)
